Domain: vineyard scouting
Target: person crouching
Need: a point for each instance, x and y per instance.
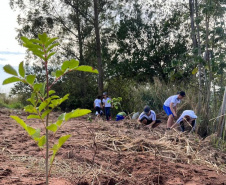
(187, 121)
(148, 117)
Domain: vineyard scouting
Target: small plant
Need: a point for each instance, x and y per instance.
(116, 102)
(43, 100)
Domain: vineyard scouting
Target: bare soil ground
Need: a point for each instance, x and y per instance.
(110, 153)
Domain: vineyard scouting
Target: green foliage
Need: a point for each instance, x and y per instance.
(43, 100)
(116, 102)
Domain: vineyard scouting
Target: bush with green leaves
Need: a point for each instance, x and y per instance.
(43, 100)
(116, 102)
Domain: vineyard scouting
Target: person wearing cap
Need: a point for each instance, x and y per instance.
(148, 117)
(188, 117)
(107, 106)
(170, 107)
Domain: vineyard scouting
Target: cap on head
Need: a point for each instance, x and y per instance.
(147, 109)
(105, 93)
(182, 93)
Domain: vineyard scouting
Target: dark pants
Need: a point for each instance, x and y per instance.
(149, 121)
(182, 125)
(107, 112)
(98, 109)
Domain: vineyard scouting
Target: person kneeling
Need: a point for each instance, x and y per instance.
(187, 121)
(148, 117)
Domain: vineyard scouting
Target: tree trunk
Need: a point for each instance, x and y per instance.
(199, 54)
(193, 35)
(209, 81)
(221, 125)
(98, 47)
(81, 57)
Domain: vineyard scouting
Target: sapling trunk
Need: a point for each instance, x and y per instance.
(47, 121)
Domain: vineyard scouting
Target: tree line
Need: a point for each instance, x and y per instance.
(133, 43)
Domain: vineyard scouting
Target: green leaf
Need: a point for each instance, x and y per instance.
(32, 116)
(30, 109)
(51, 92)
(36, 41)
(36, 135)
(10, 70)
(43, 88)
(56, 102)
(76, 113)
(73, 63)
(69, 65)
(59, 122)
(61, 117)
(51, 54)
(62, 140)
(20, 121)
(194, 71)
(43, 37)
(30, 130)
(11, 80)
(52, 127)
(52, 46)
(45, 113)
(21, 69)
(59, 73)
(31, 79)
(38, 87)
(55, 97)
(25, 40)
(50, 41)
(65, 65)
(55, 147)
(44, 104)
(42, 141)
(87, 69)
(32, 99)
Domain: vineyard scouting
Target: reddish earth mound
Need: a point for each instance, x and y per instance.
(109, 153)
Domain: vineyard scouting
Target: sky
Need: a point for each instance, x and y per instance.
(10, 51)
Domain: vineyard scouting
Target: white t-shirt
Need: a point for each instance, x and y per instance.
(152, 116)
(97, 102)
(172, 99)
(189, 113)
(105, 101)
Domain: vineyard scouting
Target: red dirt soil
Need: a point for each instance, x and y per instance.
(100, 152)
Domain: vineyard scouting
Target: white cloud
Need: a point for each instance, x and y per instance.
(10, 51)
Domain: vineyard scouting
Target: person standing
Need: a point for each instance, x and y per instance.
(170, 107)
(188, 117)
(107, 106)
(97, 105)
(148, 117)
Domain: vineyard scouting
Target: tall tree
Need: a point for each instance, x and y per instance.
(98, 46)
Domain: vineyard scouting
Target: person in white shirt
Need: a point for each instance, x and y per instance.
(148, 117)
(98, 105)
(170, 107)
(188, 117)
(107, 106)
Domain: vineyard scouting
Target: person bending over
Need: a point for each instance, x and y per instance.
(187, 118)
(170, 107)
(148, 117)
